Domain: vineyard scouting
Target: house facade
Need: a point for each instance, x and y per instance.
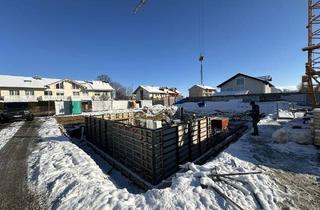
(34, 89)
(144, 92)
(201, 91)
(241, 82)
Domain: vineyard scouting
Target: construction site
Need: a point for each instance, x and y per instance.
(155, 151)
(93, 144)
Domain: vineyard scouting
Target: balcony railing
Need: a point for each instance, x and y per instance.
(52, 98)
(64, 98)
(82, 98)
(18, 98)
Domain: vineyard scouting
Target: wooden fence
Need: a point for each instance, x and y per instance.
(153, 154)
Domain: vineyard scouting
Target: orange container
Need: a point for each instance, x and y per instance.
(220, 122)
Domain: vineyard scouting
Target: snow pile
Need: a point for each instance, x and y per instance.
(7, 133)
(294, 131)
(248, 191)
(72, 180)
(108, 112)
(157, 109)
(286, 114)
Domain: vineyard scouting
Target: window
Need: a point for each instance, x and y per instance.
(76, 93)
(48, 93)
(29, 93)
(240, 83)
(60, 94)
(14, 92)
(75, 86)
(59, 85)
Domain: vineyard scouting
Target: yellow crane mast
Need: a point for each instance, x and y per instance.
(311, 78)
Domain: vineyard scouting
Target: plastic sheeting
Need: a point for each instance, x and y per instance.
(76, 107)
(62, 107)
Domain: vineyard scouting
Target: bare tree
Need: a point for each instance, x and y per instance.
(120, 90)
(104, 78)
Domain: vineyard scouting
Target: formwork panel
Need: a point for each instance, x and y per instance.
(152, 154)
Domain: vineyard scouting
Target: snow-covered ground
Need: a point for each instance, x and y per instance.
(8, 132)
(72, 179)
(237, 106)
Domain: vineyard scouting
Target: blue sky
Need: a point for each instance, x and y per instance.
(159, 46)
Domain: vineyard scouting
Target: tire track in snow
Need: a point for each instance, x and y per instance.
(8, 132)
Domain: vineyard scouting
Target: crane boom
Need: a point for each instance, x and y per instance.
(139, 6)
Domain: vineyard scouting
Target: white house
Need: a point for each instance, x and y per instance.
(34, 89)
(245, 83)
(146, 92)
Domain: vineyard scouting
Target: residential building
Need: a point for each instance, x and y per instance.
(144, 92)
(201, 91)
(34, 89)
(242, 82)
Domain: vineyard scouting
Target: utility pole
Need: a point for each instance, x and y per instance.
(201, 58)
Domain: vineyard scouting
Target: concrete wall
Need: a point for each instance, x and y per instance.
(120, 105)
(146, 103)
(300, 98)
(109, 105)
(254, 86)
(101, 106)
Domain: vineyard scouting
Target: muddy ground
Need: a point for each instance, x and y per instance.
(14, 191)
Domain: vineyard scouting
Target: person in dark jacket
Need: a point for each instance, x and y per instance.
(255, 115)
